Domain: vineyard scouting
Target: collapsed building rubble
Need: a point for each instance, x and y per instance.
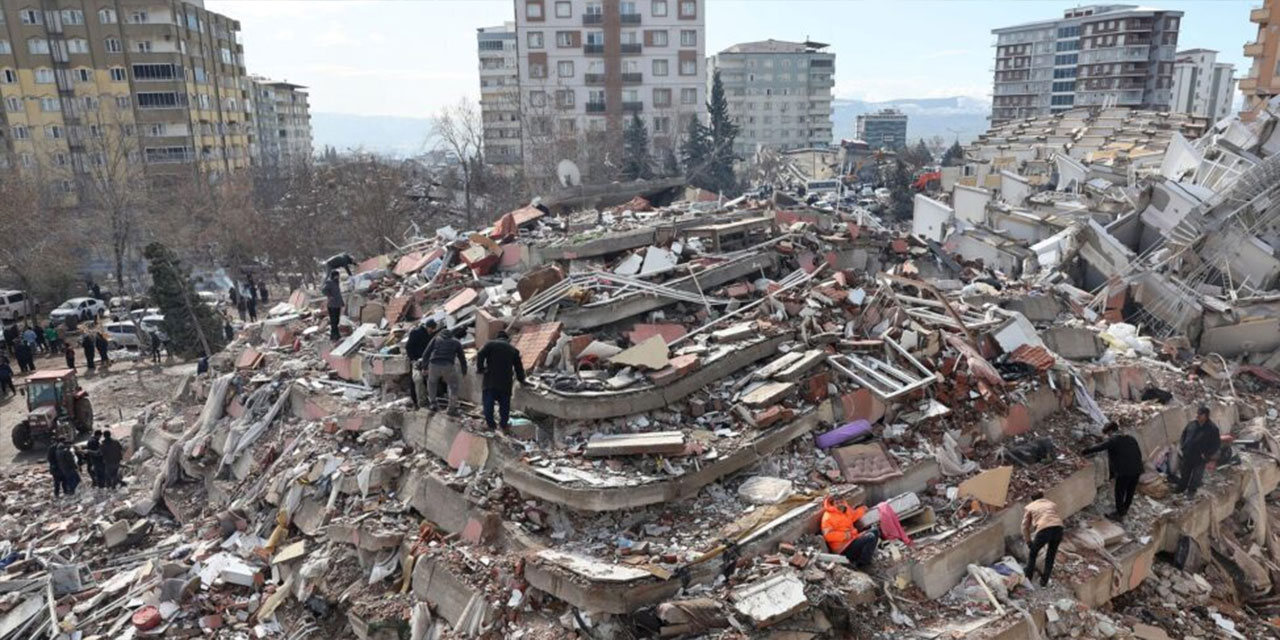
(700, 377)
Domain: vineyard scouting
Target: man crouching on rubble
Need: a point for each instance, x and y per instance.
(841, 533)
(1041, 527)
(439, 356)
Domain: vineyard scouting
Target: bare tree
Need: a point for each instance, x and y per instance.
(36, 240)
(458, 129)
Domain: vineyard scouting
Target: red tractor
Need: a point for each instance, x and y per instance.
(56, 406)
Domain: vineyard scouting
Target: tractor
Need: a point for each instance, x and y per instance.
(56, 406)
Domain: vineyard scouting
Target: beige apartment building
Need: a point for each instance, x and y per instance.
(159, 83)
(1263, 81)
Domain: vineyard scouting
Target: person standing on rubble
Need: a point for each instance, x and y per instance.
(333, 297)
(69, 352)
(112, 454)
(55, 471)
(251, 304)
(1042, 529)
(6, 378)
(100, 340)
(1198, 446)
(93, 458)
(1124, 459)
(439, 356)
(86, 343)
(839, 529)
(416, 345)
(496, 362)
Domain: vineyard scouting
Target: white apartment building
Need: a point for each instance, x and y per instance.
(500, 96)
(1203, 86)
(779, 93)
(587, 66)
(282, 117)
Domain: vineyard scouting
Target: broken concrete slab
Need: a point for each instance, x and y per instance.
(1073, 343)
(761, 490)
(767, 394)
(650, 354)
(631, 444)
(989, 487)
(770, 600)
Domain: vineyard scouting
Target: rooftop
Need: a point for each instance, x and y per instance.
(776, 46)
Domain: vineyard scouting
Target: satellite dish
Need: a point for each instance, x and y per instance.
(568, 173)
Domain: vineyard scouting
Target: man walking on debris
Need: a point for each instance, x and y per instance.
(1198, 446)
(416, 345)
(112, 454)
(1124, 458)
(333, 298)
(54, 470)
(93, 458)
(86, 343)
(841, 533)
(101, 341)
(496, 362)
(1041, 528)
(156, 343)
(439, 356)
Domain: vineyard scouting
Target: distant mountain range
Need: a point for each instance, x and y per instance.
(926, 117)
(404, 137)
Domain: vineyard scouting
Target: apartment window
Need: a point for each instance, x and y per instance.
(688, 9)
(21, 133)
(537, 70)
(155, 71)
(82, 75)
(1064, 73)
(138, 17)
(661, 97)
(5, 49)
(118, 74)
(113, 45)
(123, 102)
(564, 10)
(53, 132)
(659, 67)
(1065, 59)
(226, 55)
(8, 76)
(688, 38)
(660, 8)
(202, 100)
(61, 159)
(77, 45)
(143, 46)
(534, 39)
(568, 126)
(160, 100)
(13, 103)
(198, 74)
(595, 38)
(594, 9)
(44, 76)
(537, 98)
(1059, 87)
(564, 38)
(688, 67)
(688, 96)
(90, 103)
(661, 125)
(38, 45)
(72, 16)
(630, 95)
(533, 10)
(107, 16)
(564, 98)
(564, 69)
(658, 38)
(31, 16)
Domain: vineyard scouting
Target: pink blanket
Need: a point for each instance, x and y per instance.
(890, 526)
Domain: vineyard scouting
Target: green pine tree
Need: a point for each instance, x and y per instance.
(695, 152)
(636, 164)
(954, 155)
(172, 292)
(723, 132)
(899, 185)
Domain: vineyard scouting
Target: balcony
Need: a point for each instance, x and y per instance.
(631, 48)
(595, 107)
(593, 49)
(1260, 15)
(1248, 84)
(630, 18)
(593, 78)
(632, 106)
(592, 18)
(1253, 49)
(632, 78)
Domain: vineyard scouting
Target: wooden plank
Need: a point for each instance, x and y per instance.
(632, 444)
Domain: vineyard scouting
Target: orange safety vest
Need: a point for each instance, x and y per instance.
(838, 523)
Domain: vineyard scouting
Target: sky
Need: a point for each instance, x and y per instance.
(411, 58)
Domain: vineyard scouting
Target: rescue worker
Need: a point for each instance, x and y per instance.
(439, 357)
(1041, 528)
(1124, 460)
(86, 343)
(333, 300)
(93, 458)
(68, 465)
(1198, 446)
(100, 340)
(54, 470)
(6, 378)
(839, 529)
(496, 362)
(340, 261)
(112, 454)
(415, 345)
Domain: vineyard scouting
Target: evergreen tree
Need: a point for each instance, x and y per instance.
(636, 163)
(172, 292)
(695, 151)
(899, 185)
(919, 155)
(954, 155)
(670, 163)
(723, 132)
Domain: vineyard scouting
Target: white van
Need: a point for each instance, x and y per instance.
(13, 305)
(123, 335)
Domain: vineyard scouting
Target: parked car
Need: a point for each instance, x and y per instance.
(80, 308)
(13, 305)
(152, 323)
(123, 335)
(138, 314)
(210, 298)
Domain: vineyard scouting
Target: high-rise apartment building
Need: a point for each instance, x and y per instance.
(159, 82)
(282, 116)
(500, 96)
(588, 66)
(1203, 86)
(1263, 81)
(779, 93)
(1100, 55)
(884, 129)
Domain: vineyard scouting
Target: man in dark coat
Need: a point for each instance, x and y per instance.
(1124, 458)
(55, 471)
(6, 378)
(332, 290)
(101, 342)
(93, 459)
(69, 352)
(112, 454)
(86, 343)
(22, 353)
(440, 355)
(340, 261)
(416, 344)
(1199, 445)
(497, 361)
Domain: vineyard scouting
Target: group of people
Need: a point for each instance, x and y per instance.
(25, 343)
(100, 459)
(246, 299)
(436, 356)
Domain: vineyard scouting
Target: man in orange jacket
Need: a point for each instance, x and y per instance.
(841, 533)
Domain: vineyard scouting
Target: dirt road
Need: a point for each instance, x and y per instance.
(119, 394)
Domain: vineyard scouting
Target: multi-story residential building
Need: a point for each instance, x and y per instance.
(779, 93)
(884, 129)
(1100, 55)
(500, 96)
(1263, 81)
(1202, 86)
(282, 116)
(587, 66)
(157, 82)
